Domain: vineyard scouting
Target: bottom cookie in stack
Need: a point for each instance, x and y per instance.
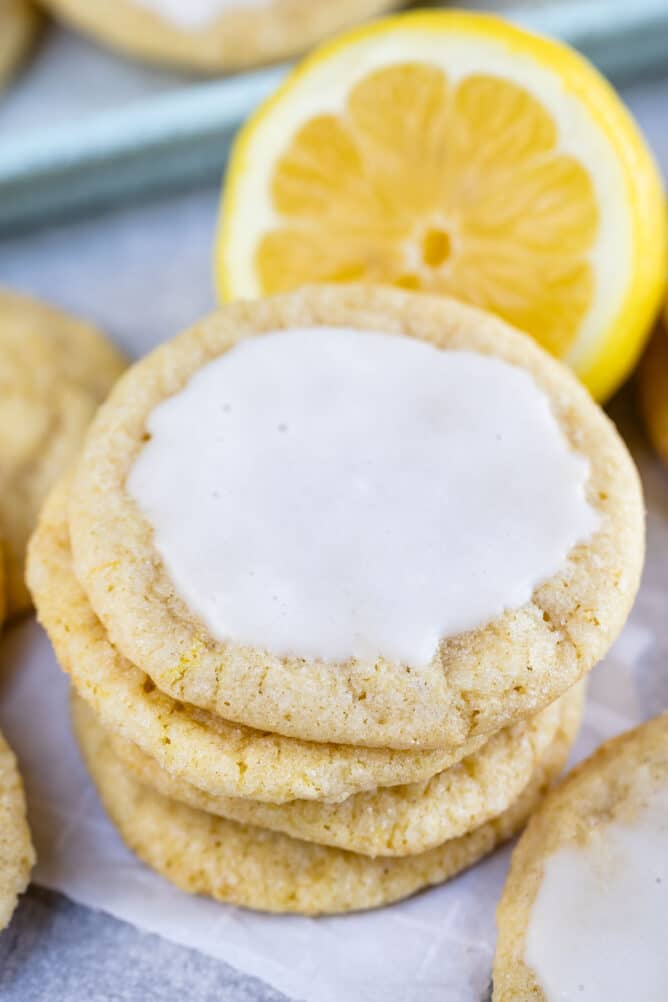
(267, 870)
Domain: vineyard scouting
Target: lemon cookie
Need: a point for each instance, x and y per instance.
(400, 820)
(269, 871)
(214, 35)
(17, 855)
(54, 371)
(196, 747)
(654, 390)
(19, 22)
(390, 521)
(584, 910)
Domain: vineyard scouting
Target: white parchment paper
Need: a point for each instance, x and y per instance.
(436, 946)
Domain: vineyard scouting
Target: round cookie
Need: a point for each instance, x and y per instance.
(268, 871)
(544, 646)
(654, 389)
(54, 372)
(196, 747)
(19, 22)
(17, 855)
(240, 35)
(399, 820)
(611, 788)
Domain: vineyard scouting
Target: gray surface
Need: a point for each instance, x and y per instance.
(56, 951)
(143, 273)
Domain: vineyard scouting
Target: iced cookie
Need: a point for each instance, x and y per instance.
(17, 855)
(196, 747)
(214, 35)
(399, 820)
(268, 871)
(360, 515)
(54, 371)
(583, 914)
(654, 390)
(19, 22)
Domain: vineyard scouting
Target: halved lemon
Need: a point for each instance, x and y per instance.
(452, 152)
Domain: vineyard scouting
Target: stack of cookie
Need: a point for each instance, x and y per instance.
(327, 579)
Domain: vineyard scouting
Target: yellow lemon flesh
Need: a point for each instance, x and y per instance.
(454, 153)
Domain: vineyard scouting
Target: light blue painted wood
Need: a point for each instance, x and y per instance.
(181, 136)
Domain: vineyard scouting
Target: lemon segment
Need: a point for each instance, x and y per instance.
(455, 153)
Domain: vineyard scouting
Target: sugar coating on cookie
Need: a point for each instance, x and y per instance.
(269, 871)
(584, 912)
(54, 372)
(597, 926)
(544, 645)
(400, 820)
(17, 855)
(355, 494)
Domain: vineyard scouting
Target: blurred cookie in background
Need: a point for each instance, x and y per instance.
(54, 371)
(213, 36)
(268, 871)
(19, 22)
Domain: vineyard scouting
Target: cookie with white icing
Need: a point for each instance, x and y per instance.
(54, 371)
(359, 515)
(584, 909)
